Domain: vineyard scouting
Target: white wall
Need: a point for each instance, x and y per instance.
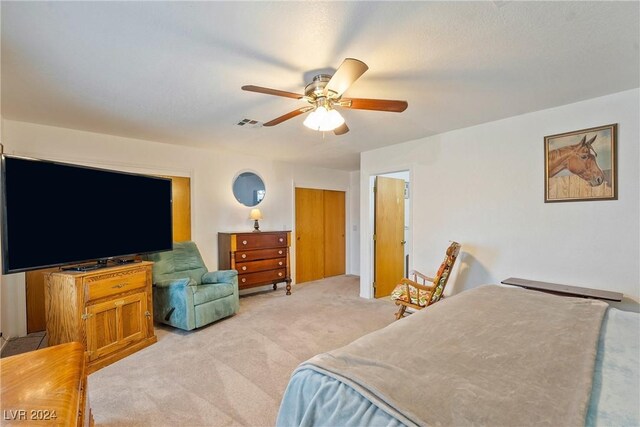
(483, 186)
(214, 207)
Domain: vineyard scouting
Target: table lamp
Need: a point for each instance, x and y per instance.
(255, 215)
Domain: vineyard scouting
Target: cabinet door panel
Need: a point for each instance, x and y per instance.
(133, 318)
(106, 327)
(102, 329)
(112, 325)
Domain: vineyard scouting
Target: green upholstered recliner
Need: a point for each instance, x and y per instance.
(185, 294)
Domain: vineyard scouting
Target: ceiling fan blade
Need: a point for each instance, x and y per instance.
(288, 116)
(374, 104)
(347, 73)
(341, 130)
(275, 92)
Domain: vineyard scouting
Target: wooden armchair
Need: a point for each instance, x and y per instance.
(421, 291)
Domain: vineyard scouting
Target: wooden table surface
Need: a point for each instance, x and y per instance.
(43, 387)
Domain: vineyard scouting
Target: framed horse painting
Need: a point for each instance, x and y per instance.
(581, 165)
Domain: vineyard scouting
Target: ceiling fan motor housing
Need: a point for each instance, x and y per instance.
(316, 88)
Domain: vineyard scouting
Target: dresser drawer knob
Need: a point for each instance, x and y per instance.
(244, 255)
(279, 252)
(244, 242)
(121, 285)
(244, 280)
(280, 263)
(280, 274)
(281, 240)
(244, 267)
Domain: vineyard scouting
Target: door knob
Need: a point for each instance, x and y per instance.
(403, 242)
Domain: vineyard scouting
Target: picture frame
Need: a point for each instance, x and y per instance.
(581, 165)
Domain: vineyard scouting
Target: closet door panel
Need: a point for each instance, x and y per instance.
(309, 235)
(334, 233)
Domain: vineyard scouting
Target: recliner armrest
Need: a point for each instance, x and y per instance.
(175, 282)
(222, 276)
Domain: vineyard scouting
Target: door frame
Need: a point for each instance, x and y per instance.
(367, 223)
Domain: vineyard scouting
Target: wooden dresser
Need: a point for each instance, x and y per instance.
(109, 311)
(46, 387)
(261, 258)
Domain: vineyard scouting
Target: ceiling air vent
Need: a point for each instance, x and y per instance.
(248, 123)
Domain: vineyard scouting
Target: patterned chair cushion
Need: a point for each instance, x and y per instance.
(418, 297)
(437, 293)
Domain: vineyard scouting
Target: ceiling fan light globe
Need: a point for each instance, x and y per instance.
(334, 120)
(322, 120)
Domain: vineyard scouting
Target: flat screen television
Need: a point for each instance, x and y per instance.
(56, 213)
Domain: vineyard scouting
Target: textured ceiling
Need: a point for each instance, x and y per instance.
(172, 71)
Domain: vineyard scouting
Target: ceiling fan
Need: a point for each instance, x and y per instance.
(324, 94)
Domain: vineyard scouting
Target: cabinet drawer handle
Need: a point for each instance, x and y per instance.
(244, 255)
(244, 267)
(118, 303)
(279, 252)
(280, 274)
(121, 285)
(281, 240)
(244, 280)
(147, 313)
(280, 263)
(244, 242)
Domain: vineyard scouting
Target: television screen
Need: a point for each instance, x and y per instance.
(56, 213)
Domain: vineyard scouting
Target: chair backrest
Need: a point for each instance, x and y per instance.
(181, 262)
(442, 277)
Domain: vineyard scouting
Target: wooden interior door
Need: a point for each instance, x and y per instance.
(181, 194)
(34, 280)
(388, 234)
(334, 233)
(34, 286)
(309, 234)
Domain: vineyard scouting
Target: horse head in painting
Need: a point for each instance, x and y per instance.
(579, 159)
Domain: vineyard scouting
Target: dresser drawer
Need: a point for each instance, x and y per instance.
(242, 256)
(260, 241)
(261, 265)
(262, 277)
(101, 286)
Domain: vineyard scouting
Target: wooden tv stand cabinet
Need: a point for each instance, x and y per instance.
(108, 310)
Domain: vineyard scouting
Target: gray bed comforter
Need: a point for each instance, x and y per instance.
(489, 356)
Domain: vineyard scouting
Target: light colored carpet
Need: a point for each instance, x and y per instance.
(234, 371)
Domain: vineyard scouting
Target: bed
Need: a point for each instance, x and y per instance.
(492, 355)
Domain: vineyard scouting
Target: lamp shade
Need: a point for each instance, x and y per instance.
(255, 214)
(323, 120)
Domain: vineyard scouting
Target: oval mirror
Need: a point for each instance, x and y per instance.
(248, 188)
